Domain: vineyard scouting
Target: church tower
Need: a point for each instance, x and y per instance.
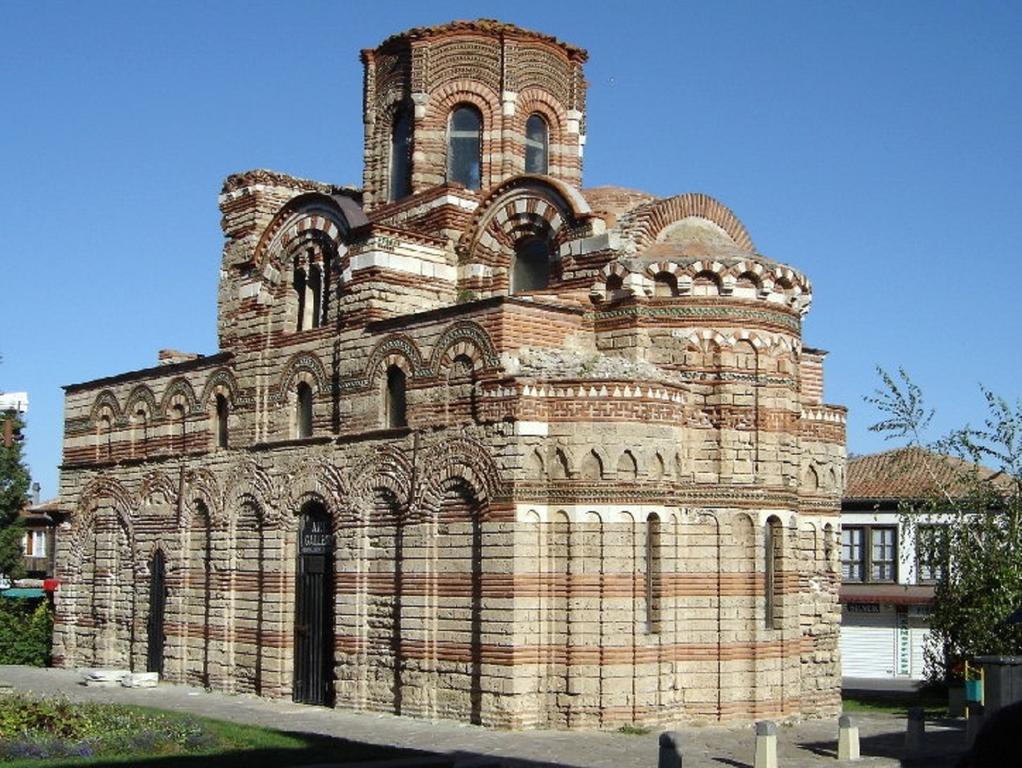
(470, 103)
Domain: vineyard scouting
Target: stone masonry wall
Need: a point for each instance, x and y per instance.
(611, 499)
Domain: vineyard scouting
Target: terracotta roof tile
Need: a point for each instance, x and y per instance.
(904, 473)
(483, 26)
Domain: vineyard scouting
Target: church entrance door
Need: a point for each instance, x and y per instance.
(313, 602)
(157, 610)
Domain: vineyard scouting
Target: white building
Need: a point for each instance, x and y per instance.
(887, 583)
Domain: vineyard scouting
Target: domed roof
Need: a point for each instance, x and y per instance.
(691, 238)
(491, 27)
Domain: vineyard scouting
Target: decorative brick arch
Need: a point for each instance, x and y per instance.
(386, 468)
(88, 501)
(144, 552)
(332, 216)
(307, 367)
(220, 382)
(179, 386)
(463, 338)
(647, 222)
(396, 349)
(202, 485)
(248, 483)
(70, 607)
(157, 484)
(459, 460)
(141, 393)
(537, 101)
(521, 206)
(317, 480)
(105, 400)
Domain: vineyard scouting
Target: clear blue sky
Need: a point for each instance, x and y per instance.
(874, 146)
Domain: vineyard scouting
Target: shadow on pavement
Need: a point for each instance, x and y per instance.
(732, 762)
(942, 748)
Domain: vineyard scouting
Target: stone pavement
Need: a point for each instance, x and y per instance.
(811, 743)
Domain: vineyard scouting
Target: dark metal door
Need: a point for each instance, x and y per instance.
(157, 610)
(313, 617)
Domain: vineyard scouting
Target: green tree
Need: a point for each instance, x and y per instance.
(976, 496)
(14, 481)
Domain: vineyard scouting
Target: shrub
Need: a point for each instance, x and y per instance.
(25, 632)
(48, 728)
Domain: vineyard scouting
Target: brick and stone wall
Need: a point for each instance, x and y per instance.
(610, 500)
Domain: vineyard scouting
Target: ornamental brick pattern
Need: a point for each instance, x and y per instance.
(613, 499)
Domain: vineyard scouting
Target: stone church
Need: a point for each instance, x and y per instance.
(478, 442)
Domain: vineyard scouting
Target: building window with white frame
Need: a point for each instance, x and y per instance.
(34, 543)
(931, 543)
(869, 553)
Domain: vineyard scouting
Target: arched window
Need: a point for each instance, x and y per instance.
(300, 287)
(315, 295)
(665, 284)
(395, 405)
(400, 155)
(303, 411)
(536, 144)
(653, 575)
(774, 539)
(328, 261)
(464, 147)
(531, 271)
(221, 421)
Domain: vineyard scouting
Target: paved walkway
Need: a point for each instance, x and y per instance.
(811, 743)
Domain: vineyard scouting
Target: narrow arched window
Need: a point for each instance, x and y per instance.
(303, 411)
(315, 295)
(400, 155)
(536, 144)
(464, 147)
(299, 286)
(653, 574)
(773, 541)
(395, 399)
(221, 421)
(328, 261)
(531, 270)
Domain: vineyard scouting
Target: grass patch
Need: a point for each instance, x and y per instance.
(37, 733)
(933, 702)
(633, 730)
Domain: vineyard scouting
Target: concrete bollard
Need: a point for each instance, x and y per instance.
(915, 731)
(847, 739)
(670, 750)
(973, 723)
(766, 744)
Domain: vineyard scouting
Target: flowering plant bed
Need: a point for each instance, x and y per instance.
(46, 733)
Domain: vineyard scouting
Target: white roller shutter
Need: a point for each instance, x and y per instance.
(920, 631)
(868, 644)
